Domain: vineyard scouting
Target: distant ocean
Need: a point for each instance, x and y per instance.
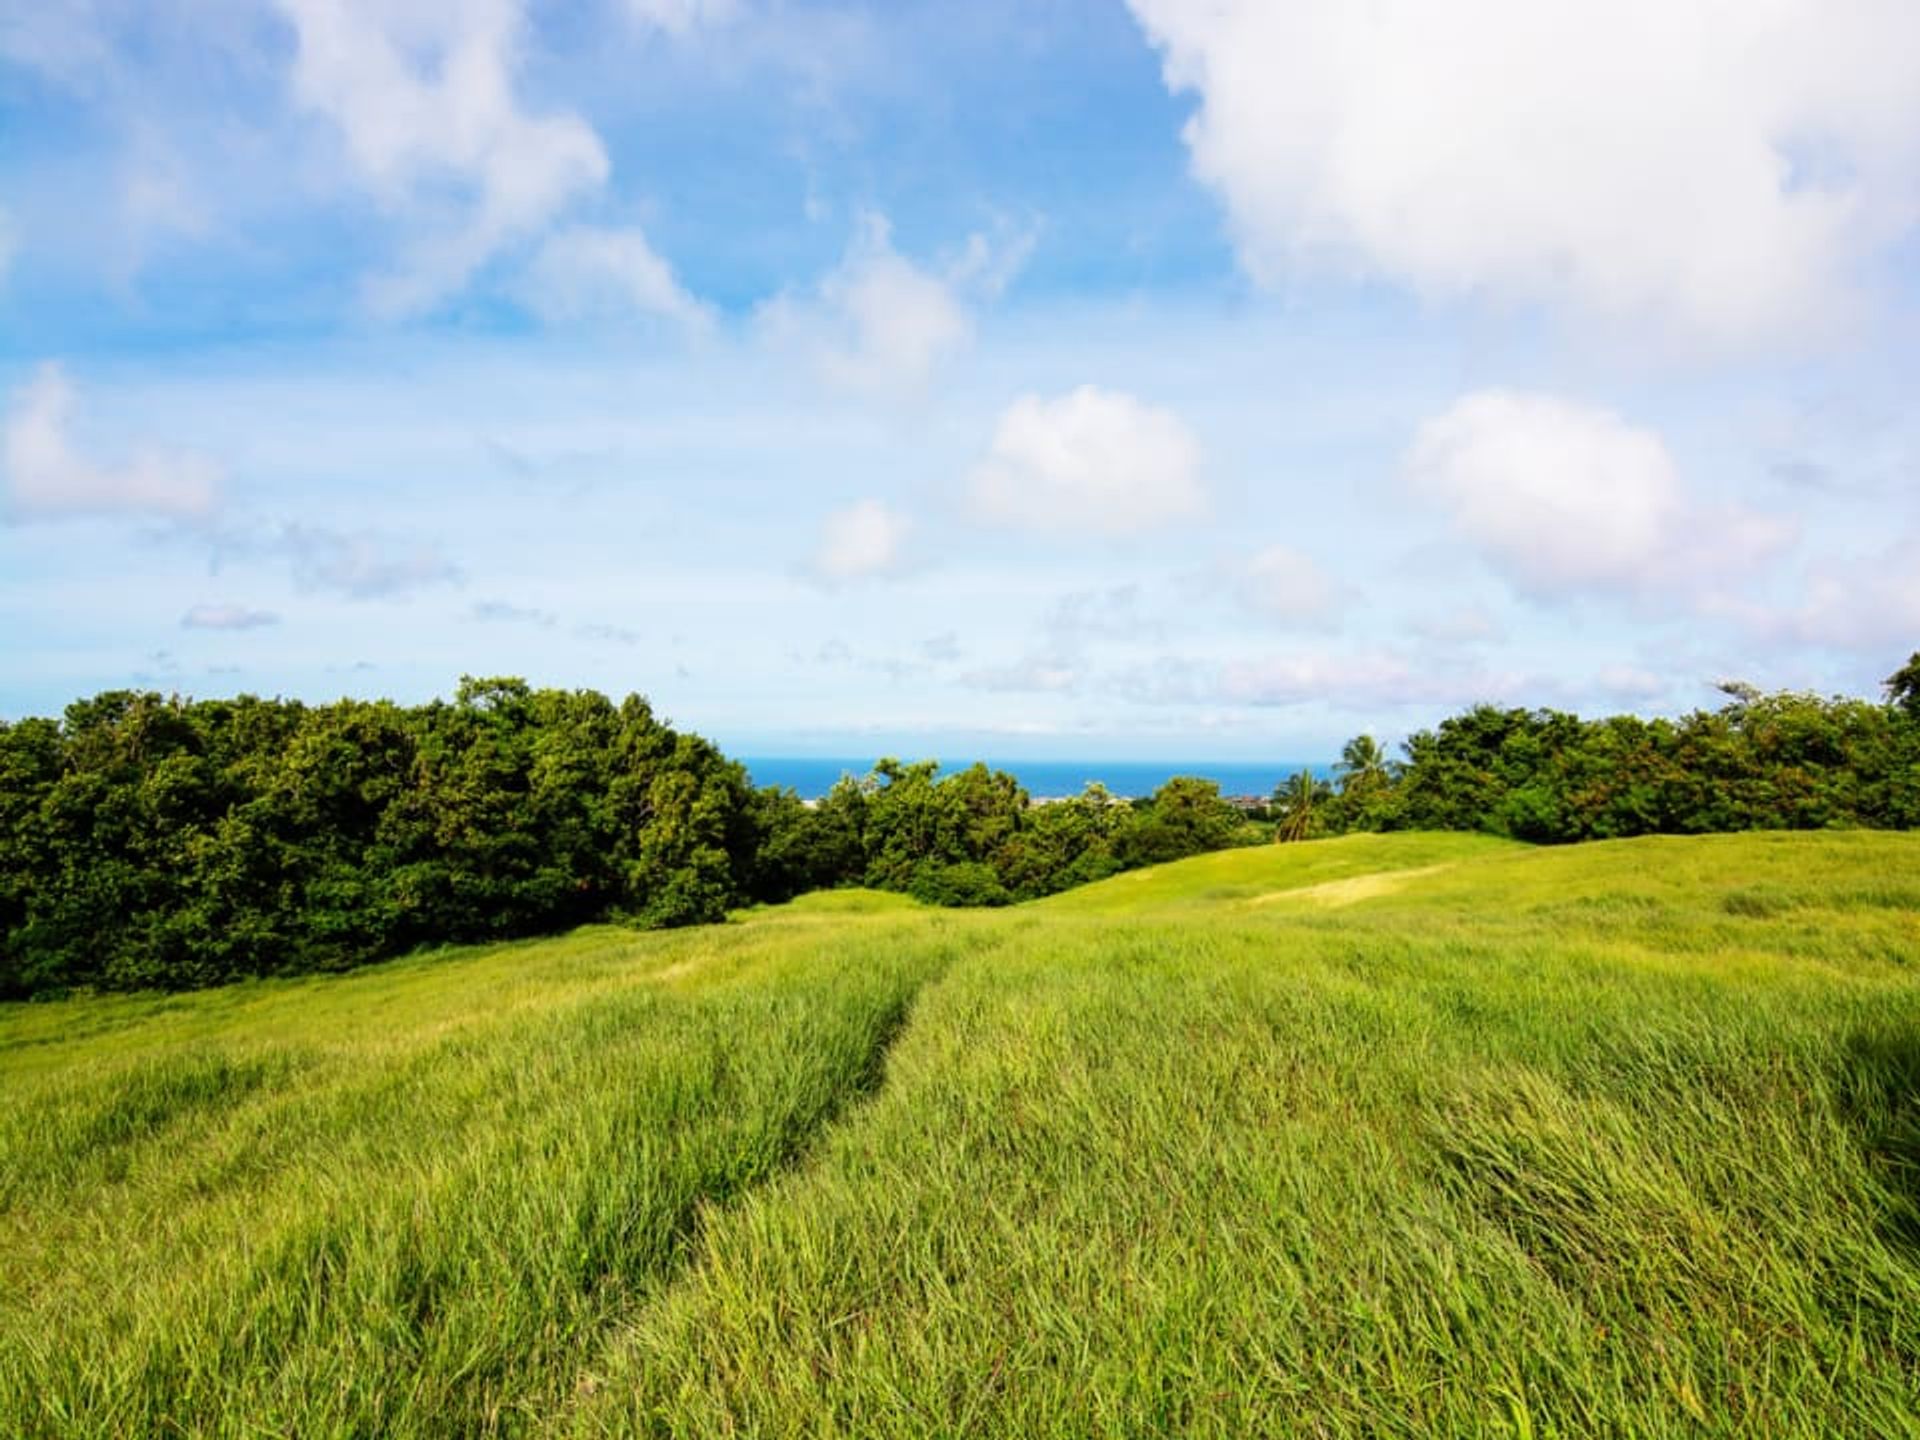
(1047, 779)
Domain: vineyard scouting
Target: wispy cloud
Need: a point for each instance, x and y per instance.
(500, 612)
(47, 477)
(590, 272)
(227, 617)
(426, 107)
(881, 322)
(610, 634)
(361, 564)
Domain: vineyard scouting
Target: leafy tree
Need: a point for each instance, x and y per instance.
(1363, 766)
(1903, 688)
(1185, 816)
(1299, 802)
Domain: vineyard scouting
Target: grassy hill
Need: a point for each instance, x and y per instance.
(1388, 1135)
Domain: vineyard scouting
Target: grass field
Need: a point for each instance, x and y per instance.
(1405, 1135)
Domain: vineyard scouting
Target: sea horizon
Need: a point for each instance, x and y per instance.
(812, 776)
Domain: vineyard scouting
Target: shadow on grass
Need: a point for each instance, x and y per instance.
(1877, 1087)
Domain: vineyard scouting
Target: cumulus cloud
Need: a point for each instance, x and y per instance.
(1092, 460)
(227, 617)
(46, 477)
(882, 322)
(865, 539)
(424, 100)
(1566, 499)
(1720, 170)
(586, 271)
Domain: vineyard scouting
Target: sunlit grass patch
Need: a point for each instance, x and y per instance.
(1522, 1141)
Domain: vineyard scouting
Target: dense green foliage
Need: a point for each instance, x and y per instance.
(974, 838)
(1407, 1135)
(154, 842)
(1761, 762)
(157, 842)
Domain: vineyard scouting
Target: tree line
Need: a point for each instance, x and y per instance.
(1779, 761)
(156, 842)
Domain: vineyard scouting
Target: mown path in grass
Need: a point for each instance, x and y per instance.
(404, 1201)
(1613, 1139)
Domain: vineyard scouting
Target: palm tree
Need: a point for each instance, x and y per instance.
(1363, 765)
(1295, 801)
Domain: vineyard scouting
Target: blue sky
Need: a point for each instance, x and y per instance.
(1175, 378)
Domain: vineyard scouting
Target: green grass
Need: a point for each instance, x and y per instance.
(1404, 1135)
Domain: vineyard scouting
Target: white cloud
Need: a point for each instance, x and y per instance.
(1868, 602)
(1287, 586)
(584, 271)
(865, 539)
(681, 17)
(1365, 680)
(424, 99)
(1718, 169)
(1564, 499)
(227, 617)
(46, 477)
(1091, 460)
(8, 246)
(1299, 679)
(360, 564)
(880, 322)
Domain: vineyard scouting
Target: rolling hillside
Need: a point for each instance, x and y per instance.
(1387, 1135)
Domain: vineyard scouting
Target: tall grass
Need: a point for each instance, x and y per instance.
(333, 1215)
(1385, 1136)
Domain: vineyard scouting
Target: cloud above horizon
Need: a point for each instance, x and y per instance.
(1090, 462)
(227, 617)
(424, 103)
(879, 322)
(1565, 499)
(1154, 369)
(48, 478)
(865, 540)
(1722, 175)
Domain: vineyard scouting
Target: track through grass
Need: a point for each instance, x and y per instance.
(1621, 1139)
